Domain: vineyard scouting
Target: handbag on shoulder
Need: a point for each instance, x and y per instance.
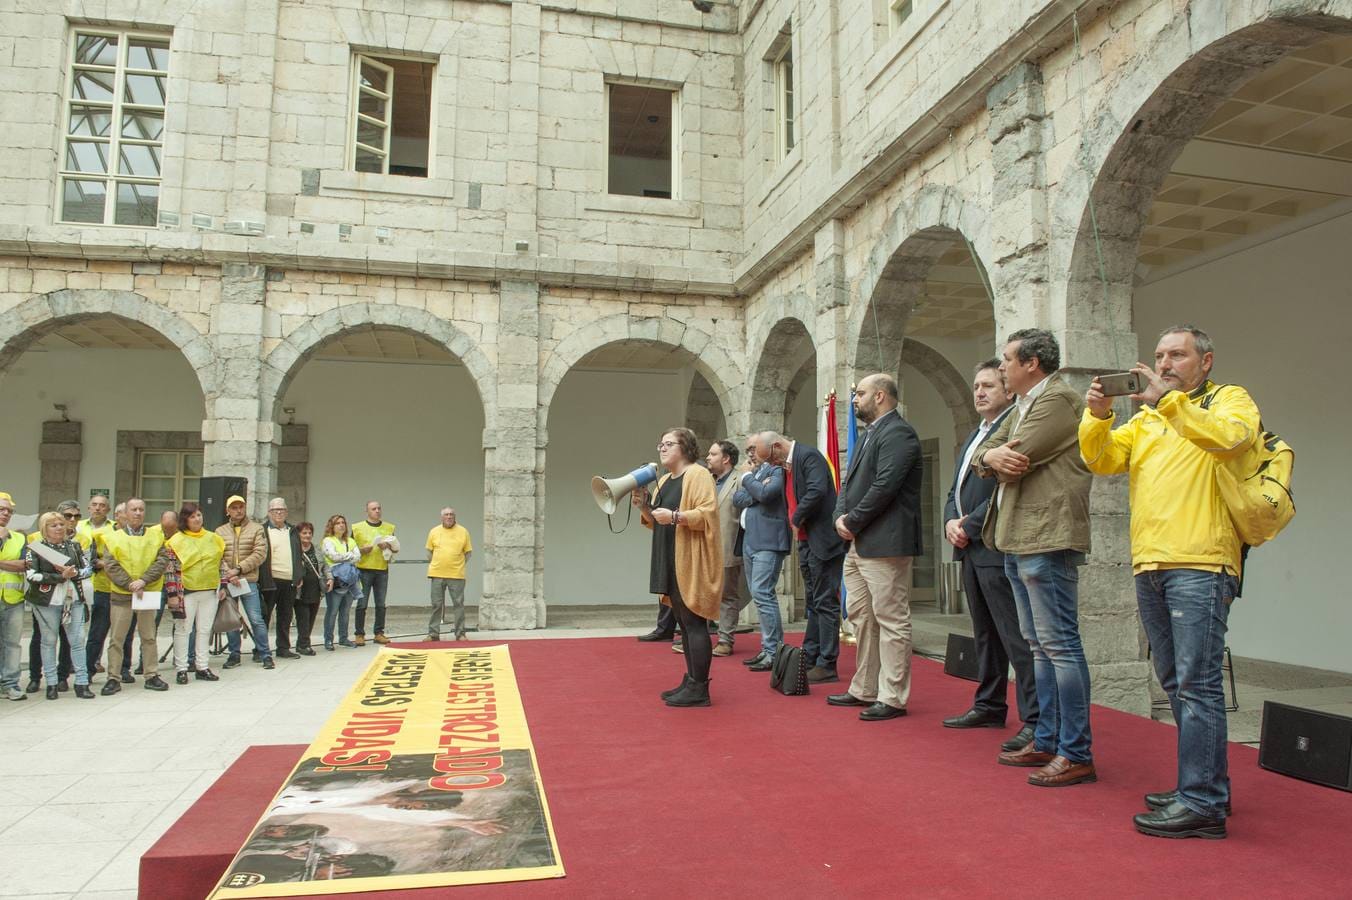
(788, 671)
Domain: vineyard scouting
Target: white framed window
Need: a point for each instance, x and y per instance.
(390, 123)
(898, 12)
(166, 479)
(113, 140)
(644, 140)
(786, 137)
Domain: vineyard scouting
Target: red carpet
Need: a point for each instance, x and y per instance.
(787, 797)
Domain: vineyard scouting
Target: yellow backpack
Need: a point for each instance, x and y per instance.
(1256, 486)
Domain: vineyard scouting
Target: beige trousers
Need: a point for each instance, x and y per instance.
(119, 616)
(878, 603)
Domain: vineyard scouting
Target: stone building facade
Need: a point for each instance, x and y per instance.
(1034, 138)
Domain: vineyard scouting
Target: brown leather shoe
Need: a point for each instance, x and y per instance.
(1061, 772)
(1029, 756)
(381, 639)
(723, 648)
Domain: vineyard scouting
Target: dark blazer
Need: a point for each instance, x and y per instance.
(814, 493)
(880, 497)
(976, 497)
(265, 579)
(761, 494)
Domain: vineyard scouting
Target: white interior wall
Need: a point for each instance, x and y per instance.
(408, 435)
(930, 417)
(602, 423)
(1279, 315)
(801, 423)
(105, 390)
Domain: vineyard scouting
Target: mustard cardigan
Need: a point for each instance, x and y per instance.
(699, 548)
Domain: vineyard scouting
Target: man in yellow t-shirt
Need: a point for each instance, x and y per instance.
(450, 547)
(377, 545)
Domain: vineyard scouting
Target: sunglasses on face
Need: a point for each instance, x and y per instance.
(70, 515)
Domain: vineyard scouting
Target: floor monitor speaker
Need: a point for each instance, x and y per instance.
(212, 493)
(1313, 746)
(960, 658)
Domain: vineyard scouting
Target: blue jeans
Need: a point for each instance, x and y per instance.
(337, 610)
(11, 626)
(373, 581)
(1185, 613)
(1046, 591)
(762, 572)
(50, 619)
(253, 611)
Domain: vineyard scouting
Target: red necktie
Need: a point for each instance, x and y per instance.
(793, 503)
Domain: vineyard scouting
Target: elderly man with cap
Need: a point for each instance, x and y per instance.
(246, 547)
(11, 600)
(69, 511)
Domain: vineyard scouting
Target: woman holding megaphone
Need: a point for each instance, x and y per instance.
(687, 555)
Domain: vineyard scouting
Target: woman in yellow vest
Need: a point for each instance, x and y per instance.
(199, 555)
(56, 597)
(12, 566)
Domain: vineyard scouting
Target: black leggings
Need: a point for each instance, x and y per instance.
(695, 642)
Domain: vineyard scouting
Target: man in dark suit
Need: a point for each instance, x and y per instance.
(878, 512)
(990, 599)
(765, 520)
(811, 493)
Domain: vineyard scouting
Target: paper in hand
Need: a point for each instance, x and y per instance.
(38, 548)
(146, 600)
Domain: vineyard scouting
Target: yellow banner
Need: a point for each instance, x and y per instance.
(425, 776)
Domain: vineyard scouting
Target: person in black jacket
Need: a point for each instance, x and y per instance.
(990, 599)
(280, 576)
(810, 489)
(878, 513)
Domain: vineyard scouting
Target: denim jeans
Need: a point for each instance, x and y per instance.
(253, 611)
(11, 626)
(762, 573)
(373, 581)
(1046, 590)
(50, 618)
(338, 610)
(1185, 613)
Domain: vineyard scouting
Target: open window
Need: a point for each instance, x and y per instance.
(391, 120)
(641, 161)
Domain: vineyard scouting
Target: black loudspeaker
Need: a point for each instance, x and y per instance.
(1302, 743)
(960, 657)
(213, 491)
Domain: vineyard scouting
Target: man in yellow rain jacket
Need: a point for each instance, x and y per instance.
(11, 601)
(135, 562)
(1185, 555)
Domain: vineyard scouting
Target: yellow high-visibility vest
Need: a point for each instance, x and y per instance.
(11, 583)
(135, 553)
(96, 536)
(200, 558)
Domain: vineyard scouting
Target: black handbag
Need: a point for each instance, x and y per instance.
(788, 671)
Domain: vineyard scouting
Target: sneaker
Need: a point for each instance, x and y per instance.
(723, 648)
(15, 694)
(361, 641)
(207, 675)
(231, 662)
(348, 644)
(155, 683)
(380, 638)
(328, 646)
(181, 678)
(269, 664)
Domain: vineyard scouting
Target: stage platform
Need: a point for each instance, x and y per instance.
(768, 795)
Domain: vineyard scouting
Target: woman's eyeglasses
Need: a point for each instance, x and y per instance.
(665, 444)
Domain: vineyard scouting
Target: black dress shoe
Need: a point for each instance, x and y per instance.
(52, 692)
(880, 710)
(288, 654)
(1164, 798)
(128, 678)
(764, 665)
(1177, 821)
(231, 662)
(32, 687)
(207, 675)
(83, 692)
(846, 699)
(155, 683)
(181, 678)
(63, 685)
(759, 657)
(975, 718)
(269, 664)
(656, 635)
(306, 651)
(1020, 740)
(111, 687)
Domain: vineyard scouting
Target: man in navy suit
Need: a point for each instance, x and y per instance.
(811, 493)
(765, 519)
(990, 599)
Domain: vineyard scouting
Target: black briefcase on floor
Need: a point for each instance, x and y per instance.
(960, 657)
(1313, 746)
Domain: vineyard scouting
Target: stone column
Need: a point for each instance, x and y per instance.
(59, 455)
(831, 333)
(514, 470)
(239, 434)
(1109, 625)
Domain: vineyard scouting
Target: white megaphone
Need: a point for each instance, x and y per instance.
(607, 492)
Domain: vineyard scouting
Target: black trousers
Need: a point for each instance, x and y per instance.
(821, 584)
(696, 646)
(305, 622)
(999, 643)
(282, 599)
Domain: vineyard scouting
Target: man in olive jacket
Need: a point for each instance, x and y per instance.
(1039, 518)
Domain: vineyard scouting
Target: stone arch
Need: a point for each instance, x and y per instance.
(1132, 138)
(916, 234)
(286, 359)
(778, 364)
(717, 367)
(952, 386)
(37, 316)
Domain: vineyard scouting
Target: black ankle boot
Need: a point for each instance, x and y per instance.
(696, 693)
(685, 680)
